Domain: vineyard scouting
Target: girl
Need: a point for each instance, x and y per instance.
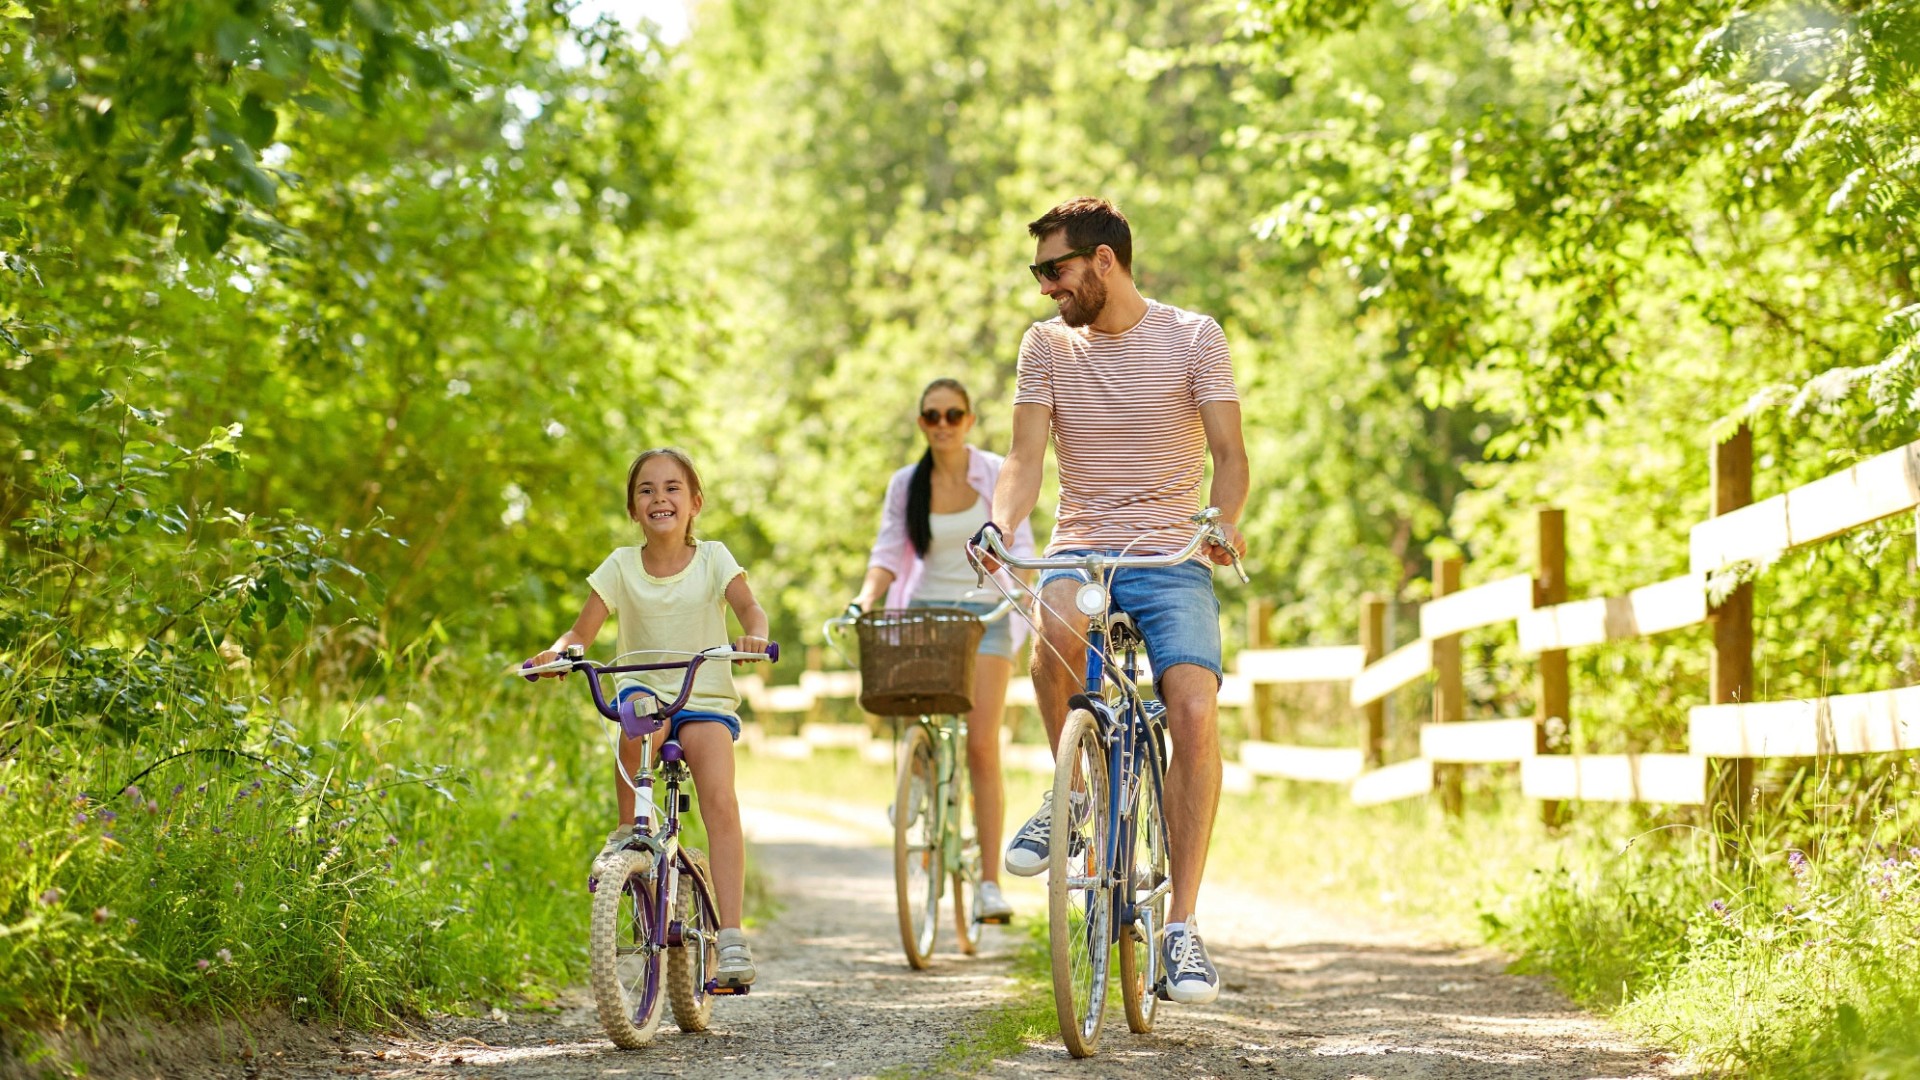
(920, 559)
(668, 594)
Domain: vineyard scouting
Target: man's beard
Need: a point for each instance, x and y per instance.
(1085, 304)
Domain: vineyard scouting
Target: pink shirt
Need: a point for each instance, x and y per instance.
(893, 549)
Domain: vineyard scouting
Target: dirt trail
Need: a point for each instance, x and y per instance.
(1307, 995)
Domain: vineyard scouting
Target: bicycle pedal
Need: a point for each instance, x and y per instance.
(995, 920)
(729, 990)
(1160, 991)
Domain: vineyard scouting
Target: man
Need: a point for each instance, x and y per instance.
(1134, 395)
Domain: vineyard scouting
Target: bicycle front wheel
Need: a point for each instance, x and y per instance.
(1079, 895)
(1149, 891)
(624, 959)
(691, 959)
(917, 858)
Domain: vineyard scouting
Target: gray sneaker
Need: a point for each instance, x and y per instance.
(736, 960)
(1191, 978)
(991, 907)
(1027, 852)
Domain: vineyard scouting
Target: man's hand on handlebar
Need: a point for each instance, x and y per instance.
(1220, 555)
(978, 554)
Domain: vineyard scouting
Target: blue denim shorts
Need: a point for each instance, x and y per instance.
(1174, 607)
(684, 716)
(997, 641)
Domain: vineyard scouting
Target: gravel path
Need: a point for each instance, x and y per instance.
(1307, 995)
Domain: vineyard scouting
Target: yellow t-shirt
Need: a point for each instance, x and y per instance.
(685, 613)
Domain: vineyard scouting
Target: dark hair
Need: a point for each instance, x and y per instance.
(920, 487)
(1088, 222)
(686, 464)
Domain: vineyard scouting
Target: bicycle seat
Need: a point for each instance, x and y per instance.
(1122, 632)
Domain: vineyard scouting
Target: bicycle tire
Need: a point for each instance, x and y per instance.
(966, 876)
(1079, 898)
(917, 869)
(692, 962)
(1140, 972)
(626, 985)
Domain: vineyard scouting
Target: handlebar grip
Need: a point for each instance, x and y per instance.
(773, 652)
(524, 664)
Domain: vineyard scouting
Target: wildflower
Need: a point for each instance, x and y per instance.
(203, 965)
(283, 906)
(178, 788)
(1719, 907)
(238, 888)
(153, 806)
(1797, 862)
(25, 848)
(225, 955)
(79, 819)
(217, 830)
(101, 915)
(392, 840)
(51, 897)
(132, 792)
(487, 866)
(132, 922)
(109, 816)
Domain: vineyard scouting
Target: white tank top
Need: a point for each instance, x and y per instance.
(946, 575)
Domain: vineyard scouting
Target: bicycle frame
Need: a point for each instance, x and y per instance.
(1129, 729)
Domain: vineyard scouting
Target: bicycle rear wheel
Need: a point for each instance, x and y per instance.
(691, 962)
(917, 859)
(1079, 896)
(1149, 894)
(623, 964)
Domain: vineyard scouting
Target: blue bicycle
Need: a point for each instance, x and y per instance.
(1108, 879)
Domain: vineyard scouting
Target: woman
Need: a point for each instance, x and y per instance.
(920, 560)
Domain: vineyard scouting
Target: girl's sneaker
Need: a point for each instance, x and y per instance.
(736, 959)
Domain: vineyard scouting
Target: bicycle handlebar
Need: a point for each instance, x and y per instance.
(625, 713)
(1208, 532)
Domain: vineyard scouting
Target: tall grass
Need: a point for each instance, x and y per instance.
(348, 858)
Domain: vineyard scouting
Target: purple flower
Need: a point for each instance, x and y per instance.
(216, 830)
(79, 819)
(1797, 862)
(25, 848)
(392, 840)
(1719, 907)
(132, 792)
(108, 815)
(153, 807)
(101, 915)
(178, 788)
(132, 922)
(51, 897)
(203, 964)
(225, 955)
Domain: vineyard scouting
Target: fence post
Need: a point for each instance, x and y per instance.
(1549, 588)
(1449, 693)
(1732, 620)
(1373, 646)
(1262, 723)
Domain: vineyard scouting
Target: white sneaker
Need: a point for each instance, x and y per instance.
(989, 906)
(736, 959)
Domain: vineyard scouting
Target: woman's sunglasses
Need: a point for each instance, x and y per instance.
(931, 417)
(1050, 269)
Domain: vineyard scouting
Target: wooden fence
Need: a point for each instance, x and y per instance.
(1727, 732)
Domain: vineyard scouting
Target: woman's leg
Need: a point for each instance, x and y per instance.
(990, 674)
(709, 748)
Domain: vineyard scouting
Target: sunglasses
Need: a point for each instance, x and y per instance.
(1050, 269)
(953, 416)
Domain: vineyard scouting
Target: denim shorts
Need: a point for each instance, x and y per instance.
(997, 641)
(684, 716)
(1173, 606)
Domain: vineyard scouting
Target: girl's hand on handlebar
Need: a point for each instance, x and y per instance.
(546, 657)
(749, 643)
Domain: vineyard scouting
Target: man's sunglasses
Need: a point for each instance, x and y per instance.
(931, 417)
(1050, 269)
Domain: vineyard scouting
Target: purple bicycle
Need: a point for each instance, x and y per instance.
(655, 931)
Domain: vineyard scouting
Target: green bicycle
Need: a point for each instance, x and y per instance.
(916, 666)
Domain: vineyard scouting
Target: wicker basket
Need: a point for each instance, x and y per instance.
(916, 661)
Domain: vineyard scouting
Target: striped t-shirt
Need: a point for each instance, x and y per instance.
(1126, 423)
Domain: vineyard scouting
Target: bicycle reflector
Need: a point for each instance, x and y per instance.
(1091, 600)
